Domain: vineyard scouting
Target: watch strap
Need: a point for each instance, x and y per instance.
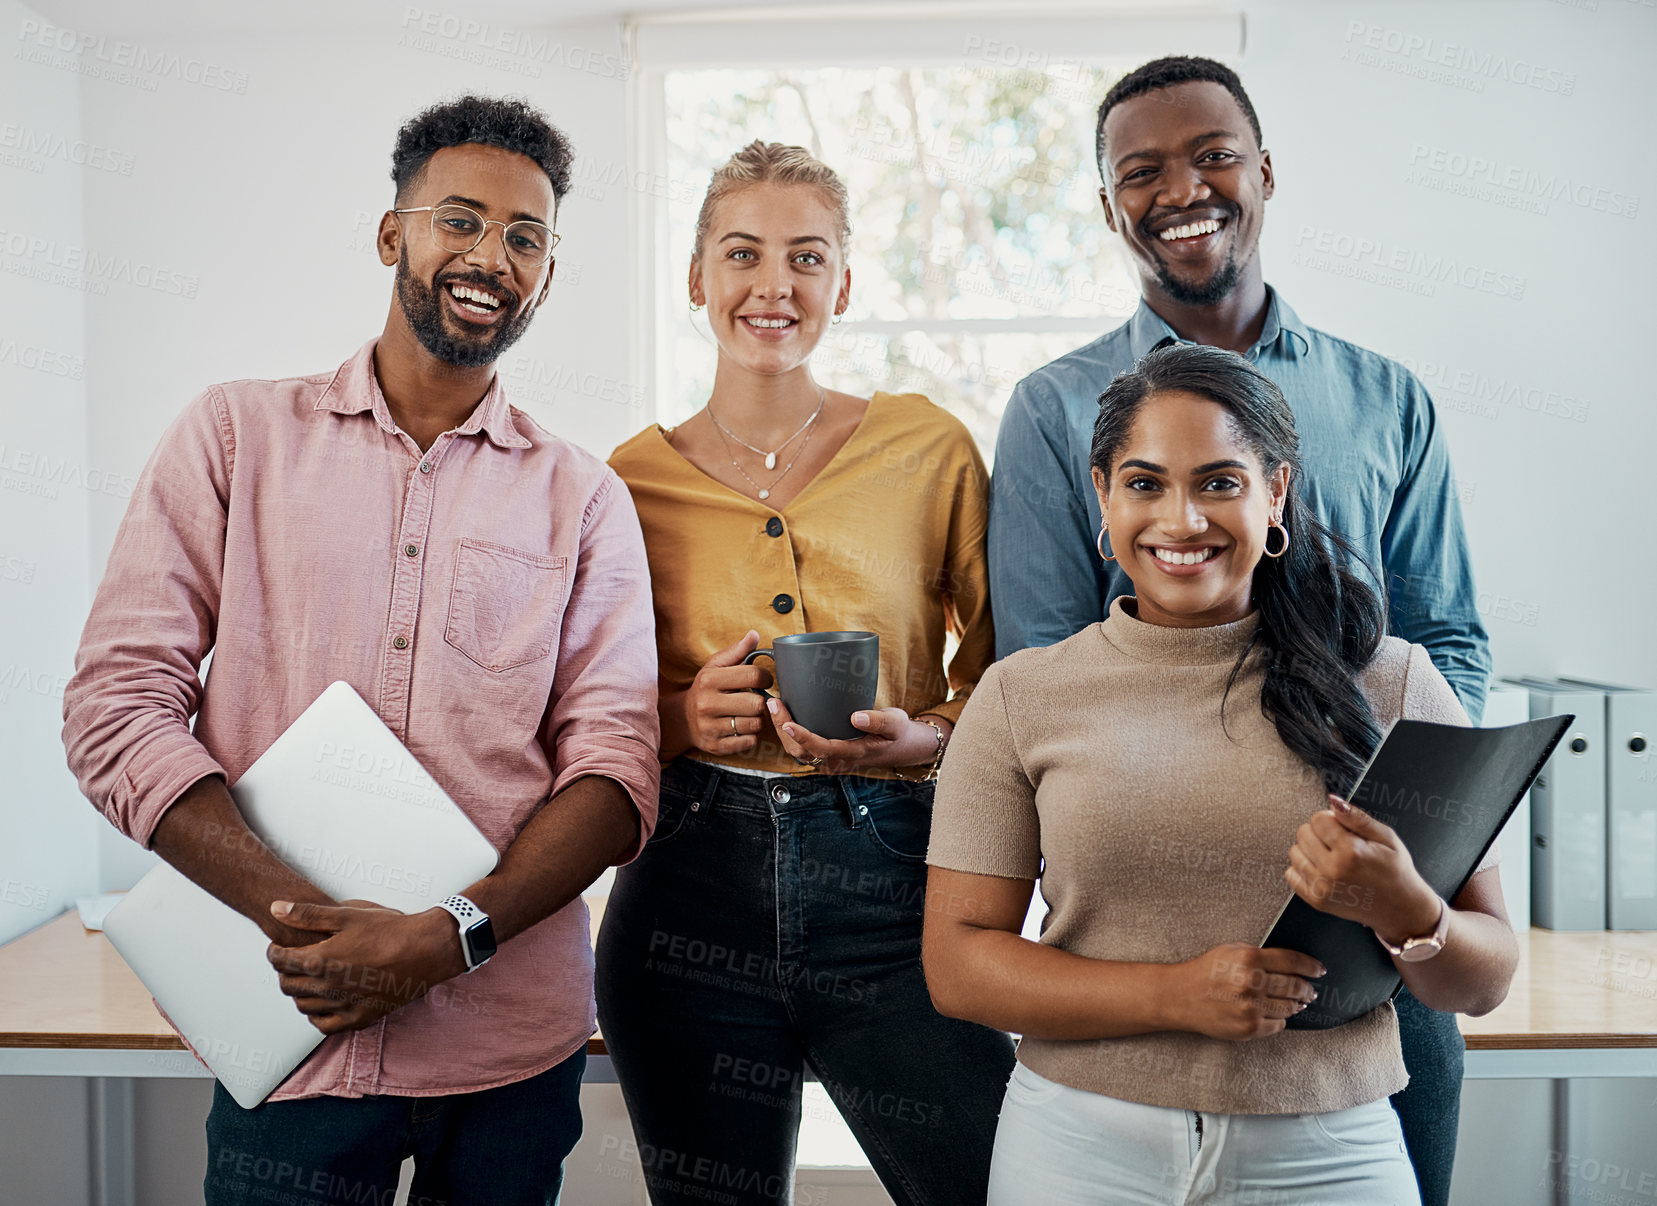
(1434, 941)
(466, 915)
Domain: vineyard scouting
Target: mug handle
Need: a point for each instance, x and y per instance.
(749, 661)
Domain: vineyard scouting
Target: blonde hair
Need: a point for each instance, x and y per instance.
(773, 163)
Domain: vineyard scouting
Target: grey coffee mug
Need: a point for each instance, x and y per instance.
(823, 677)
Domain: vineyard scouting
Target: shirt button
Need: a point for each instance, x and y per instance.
(782, 604)
(773, 526)
(779, 793)
(413, 550)
(399, 642)
(425, 466)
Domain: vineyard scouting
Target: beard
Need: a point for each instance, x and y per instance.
(1201, 293)
(423, 311)
(1205, 292)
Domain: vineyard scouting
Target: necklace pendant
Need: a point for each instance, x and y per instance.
(764, 494)
(770, 460)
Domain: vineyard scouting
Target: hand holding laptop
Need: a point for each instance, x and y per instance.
(346, 807)
(373, 960)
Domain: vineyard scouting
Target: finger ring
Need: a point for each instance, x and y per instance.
(817, 761)
(734, 732)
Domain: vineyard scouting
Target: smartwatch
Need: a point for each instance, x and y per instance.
(1414, 950)
(477, 935)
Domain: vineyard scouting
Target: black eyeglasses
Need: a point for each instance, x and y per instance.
(459, 228)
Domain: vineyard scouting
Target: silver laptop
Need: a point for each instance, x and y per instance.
(341, 801)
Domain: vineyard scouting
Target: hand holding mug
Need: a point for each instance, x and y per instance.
(722, 706)
(891, 738)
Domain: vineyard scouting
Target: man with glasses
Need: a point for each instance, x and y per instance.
(483, 585)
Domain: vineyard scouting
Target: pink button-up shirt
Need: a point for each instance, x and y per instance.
(489, 598)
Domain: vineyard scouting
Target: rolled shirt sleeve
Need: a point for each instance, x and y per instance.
(127, 708)
(602, 717)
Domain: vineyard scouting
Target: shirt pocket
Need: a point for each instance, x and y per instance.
(506, 606)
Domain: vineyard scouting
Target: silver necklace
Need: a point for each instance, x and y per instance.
(771, 457)
(765, 491)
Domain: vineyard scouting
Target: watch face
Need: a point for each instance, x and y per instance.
(1425, 949)
(480, 940)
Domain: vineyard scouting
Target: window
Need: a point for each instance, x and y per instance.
(978, 250)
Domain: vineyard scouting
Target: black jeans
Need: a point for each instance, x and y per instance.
(775, 923)
(498, 1147)
(1430, 1108)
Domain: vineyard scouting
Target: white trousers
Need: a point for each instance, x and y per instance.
(1059, 1146)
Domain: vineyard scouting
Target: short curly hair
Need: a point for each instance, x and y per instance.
(1165, 73)
(492, 121)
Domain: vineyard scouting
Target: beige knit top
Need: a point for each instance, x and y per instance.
(1099, 764)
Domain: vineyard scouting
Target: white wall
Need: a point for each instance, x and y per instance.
(1367, 153)
(46, 482)
(47, 833)
(258, 203)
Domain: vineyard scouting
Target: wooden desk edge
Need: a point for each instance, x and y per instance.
(1558, 1042)
(595, 1045)
(43, 1041)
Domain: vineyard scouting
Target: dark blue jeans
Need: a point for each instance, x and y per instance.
(772, 924)
(499, 1147)
(1430, 1108)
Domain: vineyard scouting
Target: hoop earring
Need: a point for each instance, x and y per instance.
(695, 306)
(837, 318)
(1275, 526)
(1099, 542)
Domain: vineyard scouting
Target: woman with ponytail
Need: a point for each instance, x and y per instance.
(1171, 775)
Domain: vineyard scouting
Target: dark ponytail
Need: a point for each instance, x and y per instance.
(1320, 623)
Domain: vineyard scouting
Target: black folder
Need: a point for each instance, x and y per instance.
(1447, 790)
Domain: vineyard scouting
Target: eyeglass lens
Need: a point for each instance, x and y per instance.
(457, 228)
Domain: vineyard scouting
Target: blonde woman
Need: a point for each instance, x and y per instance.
(773, 923)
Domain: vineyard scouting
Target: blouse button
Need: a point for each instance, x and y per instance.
(782, 604)
(773, 526)
(399, 642)
(425, 466)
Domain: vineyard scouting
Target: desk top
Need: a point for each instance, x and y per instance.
(64, 986)
(61, 986)
(1595, 989)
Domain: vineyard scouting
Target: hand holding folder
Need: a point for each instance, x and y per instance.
(1446, 791)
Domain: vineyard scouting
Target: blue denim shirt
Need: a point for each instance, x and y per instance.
(1375, 469)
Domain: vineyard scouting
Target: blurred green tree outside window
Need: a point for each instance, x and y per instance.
(978, 251)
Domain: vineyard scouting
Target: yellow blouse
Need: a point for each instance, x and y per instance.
(888, 538)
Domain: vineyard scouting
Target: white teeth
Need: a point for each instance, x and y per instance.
(769, 324)
(1190, 230)
(468, 294)
(1184, 558)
